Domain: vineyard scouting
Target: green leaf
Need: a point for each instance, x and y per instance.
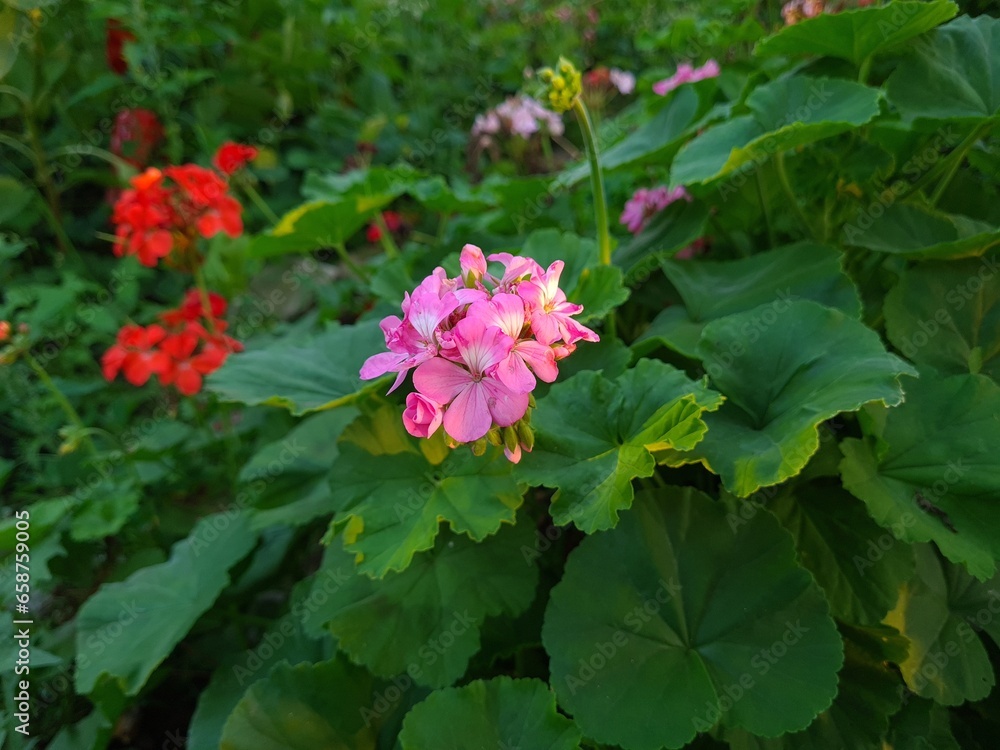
(392, 504)
(316, 225)
(693, 623)
(667, 233)
(869, 693)
(585, 281)
(922, 725)
(916, 233)
(785, 114)
(858, 34)
(947, 316)
(304, 707)
(940, 610)
(425, 621)
(12, 27)
(593, 461)
(500, 714)
(951, 73)
(712, 290)
(321, 373)
(286, 481)
(857, 563)
(127, 628)
(652, 142)
(104, 513)
(784, 368)
(14, 196)
(929, 469)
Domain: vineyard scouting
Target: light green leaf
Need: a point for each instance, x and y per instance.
(425, 621)
(712, 290)
(784, 369)
(951, 74)
(857, 563)
(929, 469)
(391, 505)
(947, 315)
(593, 461)
(127, 628)
(857, 34)
(305, 707)
(917, 233)
(500, 714)
(316, 225)
(785, 114)
(940, 610)
(690, 623)
(105, 511)
(321, 373)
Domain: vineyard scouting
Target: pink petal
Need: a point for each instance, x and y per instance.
(441, 380)
(505, 406)
(468, 416)
(514, 374)
(539, 357)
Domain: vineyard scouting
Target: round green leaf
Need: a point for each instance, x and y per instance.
(947, 315)
(304, 707)
(784, 368)
(499, 714)
(425, 621)
(391, 505)
(952, 73)
(941, 610)
(321, 373)
(869, 693)
(786, 113)
(593, 461)
(929, 469)
(694, 623)
(858, 33)
(712, 290)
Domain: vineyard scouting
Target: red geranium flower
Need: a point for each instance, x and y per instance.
(144, 219)
(135, 354)
(232, 156)
(115, 37)
(211, 207)
(393, 222)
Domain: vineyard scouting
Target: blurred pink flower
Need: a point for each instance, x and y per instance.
(686, 74)
(647, 203)
(622, 80)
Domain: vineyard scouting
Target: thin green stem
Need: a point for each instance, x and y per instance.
(60, 397)
(865, 69)
(949, 163)
(786, 185)
(596, 181)
(206, 300)
(349, 261)
(385, 237)
(259, 202)
(765, 208)
(956, 158)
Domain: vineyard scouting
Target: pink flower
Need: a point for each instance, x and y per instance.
(549, 310)
(645, 204)
(475, 399)
(686, 74)
(473, 263)
(506, 312)
(414, 339)
(622, 80)
(422, 416)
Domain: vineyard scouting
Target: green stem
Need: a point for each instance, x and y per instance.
(865, 69)
(600, 202)
(766, 209)
(950, 162)
(596, 181)
(206, 300)
(258, 201)
(61, 399)
(385, 237)
(956, 158)
(786, 185)
(349, 261)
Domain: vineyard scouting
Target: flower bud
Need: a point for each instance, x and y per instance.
(525, 435)
(510, 438)
(479, 447)
(494, 437)
(562, 86)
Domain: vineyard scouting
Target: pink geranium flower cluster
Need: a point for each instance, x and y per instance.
(477, 344)
(519, 115)
(686, 74)
(645, 204)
